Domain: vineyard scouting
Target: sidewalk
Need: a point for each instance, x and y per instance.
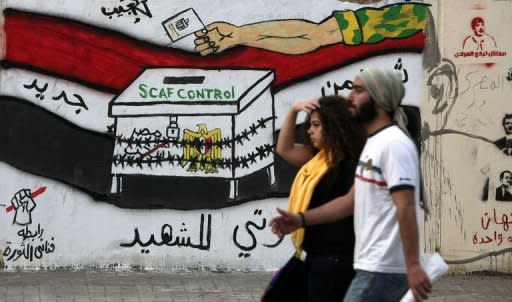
(133, 286)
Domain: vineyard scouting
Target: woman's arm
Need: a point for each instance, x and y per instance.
(296, 154)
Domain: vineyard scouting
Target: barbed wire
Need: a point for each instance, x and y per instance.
(260, 153)
(225, 142)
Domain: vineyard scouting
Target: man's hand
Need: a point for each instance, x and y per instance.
(216, 38)
(419, 282)
(285, 224)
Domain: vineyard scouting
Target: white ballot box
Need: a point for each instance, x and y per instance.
(184, 122)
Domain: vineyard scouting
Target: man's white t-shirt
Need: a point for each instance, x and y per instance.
(389, 162)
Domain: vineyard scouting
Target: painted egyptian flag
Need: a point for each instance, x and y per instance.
(65, 61)
(108, 60)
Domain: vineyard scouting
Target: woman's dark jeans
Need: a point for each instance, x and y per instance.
(329, 276)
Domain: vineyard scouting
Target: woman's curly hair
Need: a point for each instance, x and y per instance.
(344, 137)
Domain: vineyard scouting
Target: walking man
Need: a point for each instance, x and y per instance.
(384, 198)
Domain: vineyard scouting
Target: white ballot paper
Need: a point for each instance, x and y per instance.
(434, 266)
(183, 24)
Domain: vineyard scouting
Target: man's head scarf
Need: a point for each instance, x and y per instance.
(387, 90)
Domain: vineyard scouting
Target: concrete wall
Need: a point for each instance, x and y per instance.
(467, 96)
(99, 171)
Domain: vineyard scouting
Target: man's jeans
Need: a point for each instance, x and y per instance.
(369, 287)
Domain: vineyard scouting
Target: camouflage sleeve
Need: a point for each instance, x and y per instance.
(372, 25)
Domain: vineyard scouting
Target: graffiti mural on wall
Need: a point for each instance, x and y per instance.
(479, 39)
(245, 236)
(493, 233)
(200, 241)
(479, 43)
(195, 123)
(366, 25)
(155, 105)
(249, 229)
(39, 93)
(494, 229)
(504, 144)
(464, 144)
(32, 245)
(333, 87)
(134, 8)
(444, 89)
(23, 204)
(504, 191)
(480, 31)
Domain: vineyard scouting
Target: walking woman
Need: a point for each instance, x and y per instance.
(328, 160)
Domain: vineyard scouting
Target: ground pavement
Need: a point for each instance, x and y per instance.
(128, 286)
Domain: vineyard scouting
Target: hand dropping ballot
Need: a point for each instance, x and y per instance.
(434, 266)
(183, 24)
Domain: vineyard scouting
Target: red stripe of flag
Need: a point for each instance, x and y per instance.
(111, 60)
(33, 195)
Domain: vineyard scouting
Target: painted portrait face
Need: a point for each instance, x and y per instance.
(506, 179)
(316, 131)
(479, 29)
(478, 26)
(507, 125)
(443, 90)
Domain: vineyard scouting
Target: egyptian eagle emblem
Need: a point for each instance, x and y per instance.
(201, 149)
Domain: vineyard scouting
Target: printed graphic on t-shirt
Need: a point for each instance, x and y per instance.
(373, 174)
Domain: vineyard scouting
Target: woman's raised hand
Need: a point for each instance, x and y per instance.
(306, 105)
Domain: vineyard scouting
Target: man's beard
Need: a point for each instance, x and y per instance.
(367, 112)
